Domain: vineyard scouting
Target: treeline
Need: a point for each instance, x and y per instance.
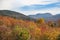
(13, 29)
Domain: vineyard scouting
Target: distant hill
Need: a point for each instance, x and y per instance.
(38, 15)
(46, 16)
(14, 15)
(54, 17)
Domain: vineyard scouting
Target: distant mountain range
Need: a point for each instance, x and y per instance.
(39, 15)
(46, 16)
(15, 15)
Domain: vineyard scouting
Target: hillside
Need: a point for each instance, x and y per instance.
(46, 16)
(19, 29)
(38, 15)
(15, 15)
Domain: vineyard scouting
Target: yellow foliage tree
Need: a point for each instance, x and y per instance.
(41, 20)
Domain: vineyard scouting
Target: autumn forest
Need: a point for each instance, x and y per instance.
(14, 29)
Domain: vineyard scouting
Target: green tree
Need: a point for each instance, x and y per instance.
(22, 33)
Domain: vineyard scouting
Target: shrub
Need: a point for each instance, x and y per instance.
(41, 20)
(58, 37)
(22, 33)
(1, 22)
(45, 37)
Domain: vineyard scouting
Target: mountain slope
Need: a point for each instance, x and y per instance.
(14, 15)
(46, 16)
(38, 15)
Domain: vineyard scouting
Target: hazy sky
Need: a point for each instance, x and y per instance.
(28, 7)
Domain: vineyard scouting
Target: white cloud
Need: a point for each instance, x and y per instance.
(14, 4)
(5, 4)
(29, 2)
(19, 3)
(11, 4)
(53, 11)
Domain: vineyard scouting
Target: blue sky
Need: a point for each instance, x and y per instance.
(29, 7)
(40, 7)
